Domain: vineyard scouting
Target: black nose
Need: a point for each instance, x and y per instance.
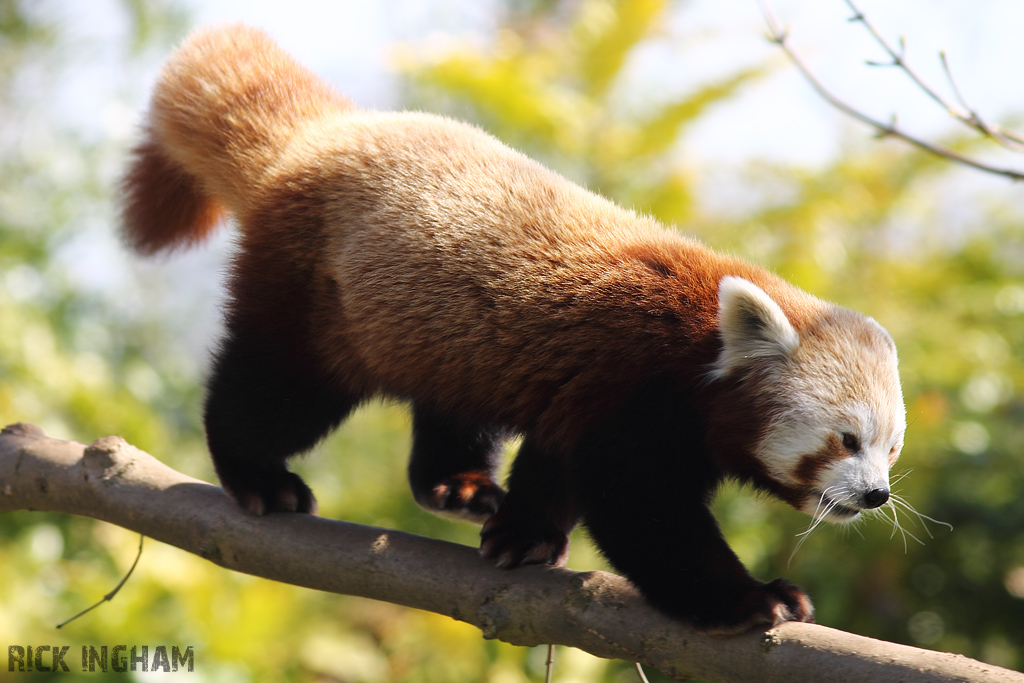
(875, 498)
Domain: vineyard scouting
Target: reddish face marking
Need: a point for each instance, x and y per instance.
(810, 466)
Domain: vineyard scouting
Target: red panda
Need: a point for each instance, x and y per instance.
(416, 257)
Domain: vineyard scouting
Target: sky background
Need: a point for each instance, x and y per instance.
(353, 44)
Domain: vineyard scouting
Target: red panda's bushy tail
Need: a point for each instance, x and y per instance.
(223, 110)
(162, 205)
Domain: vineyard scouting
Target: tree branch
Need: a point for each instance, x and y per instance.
(780, 37)
(966, 114)
(593, 611)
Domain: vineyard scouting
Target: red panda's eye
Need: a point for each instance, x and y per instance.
(851, 442)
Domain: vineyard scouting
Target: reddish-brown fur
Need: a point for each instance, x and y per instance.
(613, 279)
(165, 206)
(811, 465)
(417, 257)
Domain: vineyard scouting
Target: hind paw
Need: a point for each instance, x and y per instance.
(473, 496)
(277, 491)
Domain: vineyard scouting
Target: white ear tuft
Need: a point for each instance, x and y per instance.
(752, 326)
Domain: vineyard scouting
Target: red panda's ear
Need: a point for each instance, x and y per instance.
(752, 326)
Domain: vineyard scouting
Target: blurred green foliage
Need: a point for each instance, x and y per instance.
(863, 231)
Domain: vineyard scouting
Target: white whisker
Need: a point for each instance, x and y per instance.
(817, 518)
(921, 518)
(844, 499)
(911, 534)
(895, 524)
(900, 477)
(903, 531)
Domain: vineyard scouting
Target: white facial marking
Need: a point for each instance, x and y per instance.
(839, 415)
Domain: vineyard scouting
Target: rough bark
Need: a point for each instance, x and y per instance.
(594, 611)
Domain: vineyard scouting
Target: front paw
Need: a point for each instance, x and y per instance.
(763, 606)
(510, 542)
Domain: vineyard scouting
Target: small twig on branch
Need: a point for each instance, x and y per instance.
(780, 37)
(109, 596)
(1010, 139)
(594, 611)
(965, 113)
